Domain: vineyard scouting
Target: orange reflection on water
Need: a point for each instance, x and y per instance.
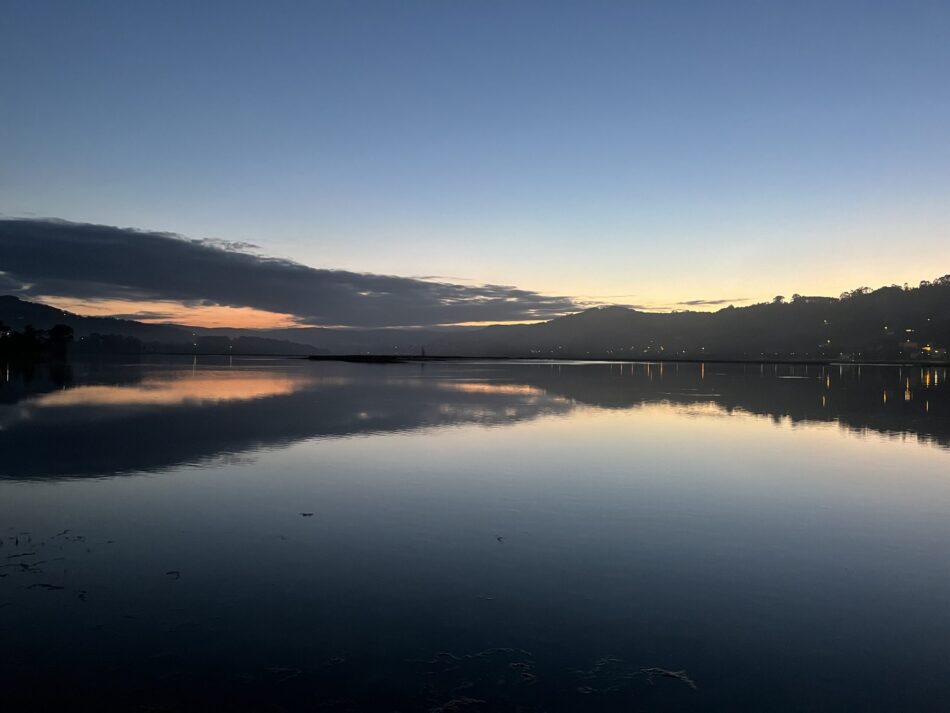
(473, 387)
(204, 387)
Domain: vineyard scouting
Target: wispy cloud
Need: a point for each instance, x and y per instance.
(712, 303)
(147, 315)
(235, 245)
(98, 262)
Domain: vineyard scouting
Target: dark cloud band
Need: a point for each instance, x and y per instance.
(79, 260)
(701, 303)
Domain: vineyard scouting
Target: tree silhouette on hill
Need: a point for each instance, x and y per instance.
(34, 344)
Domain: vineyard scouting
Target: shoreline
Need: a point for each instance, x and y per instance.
(400, 359)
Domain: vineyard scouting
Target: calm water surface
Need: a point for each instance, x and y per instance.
(281, 535)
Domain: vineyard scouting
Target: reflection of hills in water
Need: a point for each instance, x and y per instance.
(126, 419)
(91, 420)
(892, 400)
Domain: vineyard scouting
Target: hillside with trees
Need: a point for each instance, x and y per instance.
(32, 344)
(896, 323)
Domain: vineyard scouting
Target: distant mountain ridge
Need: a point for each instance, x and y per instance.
(891, 323)
(18, 313)
(407, 341)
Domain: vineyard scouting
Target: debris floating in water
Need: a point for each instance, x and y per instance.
(678, 675)
(610, 675)
(283, 673)
(456, 705)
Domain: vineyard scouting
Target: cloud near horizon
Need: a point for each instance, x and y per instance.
(712, 303)
(82, 261)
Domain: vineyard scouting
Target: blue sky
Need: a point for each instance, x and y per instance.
(639, 152)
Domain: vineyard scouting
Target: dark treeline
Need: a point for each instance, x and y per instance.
(108, 335)
(59, 343)
(31, 344)
(223, 345)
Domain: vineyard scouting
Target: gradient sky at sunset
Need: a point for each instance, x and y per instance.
(662, 154)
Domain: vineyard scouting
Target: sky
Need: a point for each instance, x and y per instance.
(667, 155)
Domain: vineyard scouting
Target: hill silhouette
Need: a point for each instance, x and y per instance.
(891, 323)
(895, 323)
(19, 314)
(103, 335)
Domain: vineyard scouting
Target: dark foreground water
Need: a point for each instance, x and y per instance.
(281, 535)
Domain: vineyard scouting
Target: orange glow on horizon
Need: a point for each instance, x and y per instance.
(211, 316)
(169, 312)
(490, 324)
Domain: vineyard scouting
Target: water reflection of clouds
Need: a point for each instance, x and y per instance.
(482, 387)
(170, 389)
(148, 417)
(154, 416)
